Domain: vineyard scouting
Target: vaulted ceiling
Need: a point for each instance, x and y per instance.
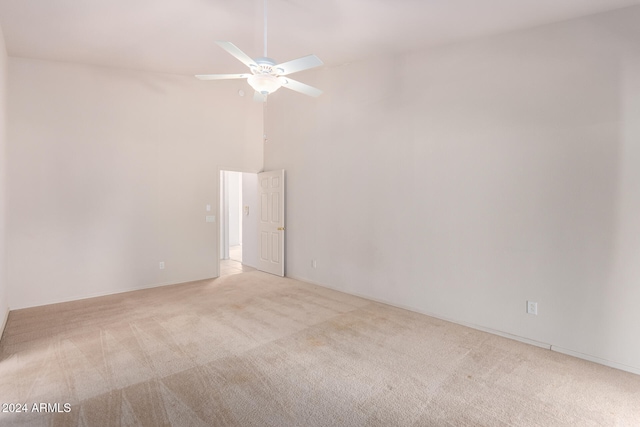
(178, 36)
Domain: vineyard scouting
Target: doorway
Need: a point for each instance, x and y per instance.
(238, 222)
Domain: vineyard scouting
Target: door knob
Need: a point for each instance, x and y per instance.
(280, 228)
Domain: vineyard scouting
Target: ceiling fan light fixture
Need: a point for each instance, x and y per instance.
(264, 83)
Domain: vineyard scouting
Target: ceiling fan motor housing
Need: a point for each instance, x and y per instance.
(264, 66)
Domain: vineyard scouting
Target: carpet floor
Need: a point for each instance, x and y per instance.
(253, 349)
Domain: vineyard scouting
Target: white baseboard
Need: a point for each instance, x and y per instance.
(611, 364)
(5, 318)
(103, 294)
(595, 359)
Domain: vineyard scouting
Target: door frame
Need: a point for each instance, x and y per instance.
(219, 207)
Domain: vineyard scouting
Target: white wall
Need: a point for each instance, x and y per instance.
(465, 180)
(250, 221)
(235, 199)
(109, 172)
(4, 305)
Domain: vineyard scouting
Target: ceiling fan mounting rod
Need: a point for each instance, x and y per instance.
(265, 28)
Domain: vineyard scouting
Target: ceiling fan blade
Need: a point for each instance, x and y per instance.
(258, 97)
(221, 76)
(237, 53)
(300, 64)
(300, 87)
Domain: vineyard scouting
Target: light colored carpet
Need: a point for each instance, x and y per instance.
(229, 266)
(253, 349)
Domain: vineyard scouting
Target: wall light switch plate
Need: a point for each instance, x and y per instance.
(211, 218)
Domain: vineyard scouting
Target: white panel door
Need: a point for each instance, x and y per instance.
(271, 222)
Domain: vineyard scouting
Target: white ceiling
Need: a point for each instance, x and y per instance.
(177, 36)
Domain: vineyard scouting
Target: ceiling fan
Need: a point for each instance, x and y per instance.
(266, 75)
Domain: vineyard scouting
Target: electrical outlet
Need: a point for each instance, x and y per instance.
(532, 307)
(314, 264)
(161, 265)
